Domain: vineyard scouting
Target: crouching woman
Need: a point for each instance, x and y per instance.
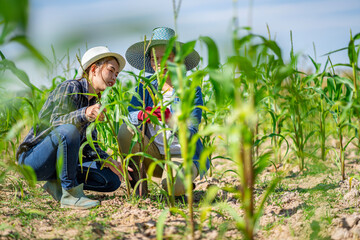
(65, 117)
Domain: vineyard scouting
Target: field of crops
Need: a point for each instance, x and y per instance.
(283, 145)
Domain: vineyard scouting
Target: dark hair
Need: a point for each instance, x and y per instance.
(100, 62)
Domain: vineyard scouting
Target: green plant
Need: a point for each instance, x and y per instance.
(241, 80)
(16, 112)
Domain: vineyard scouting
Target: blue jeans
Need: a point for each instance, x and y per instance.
(62, 145)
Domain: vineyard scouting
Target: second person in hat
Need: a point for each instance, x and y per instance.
(136, 57)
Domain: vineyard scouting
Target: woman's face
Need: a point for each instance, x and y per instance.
(159, 54)
(105, 75)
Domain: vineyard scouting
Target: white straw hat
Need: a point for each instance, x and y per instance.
(96, 53)
(161, 36)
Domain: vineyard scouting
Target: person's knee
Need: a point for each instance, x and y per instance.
(70, 133)
(124, 137)
(114, 185)
(179, 185)
(113, 182)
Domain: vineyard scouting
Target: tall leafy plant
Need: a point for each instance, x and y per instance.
(240, 80)
(14, 115)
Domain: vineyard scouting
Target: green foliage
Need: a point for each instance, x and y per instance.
(19, 110)
(259, 110)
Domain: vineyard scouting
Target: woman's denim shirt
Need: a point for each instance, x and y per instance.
(193, 126)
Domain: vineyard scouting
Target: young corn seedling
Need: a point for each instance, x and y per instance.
(297, 94)
(340, 92)
(115, 100)
(353, 51)
(108, 130)
(353, 54)
(186, 87)
(323, 102)
(239, 78)
(271, 72)
(15, 114)
(161, 77)
(213, 115)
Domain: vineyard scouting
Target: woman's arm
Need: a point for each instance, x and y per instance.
(66, 101)
(67, 110)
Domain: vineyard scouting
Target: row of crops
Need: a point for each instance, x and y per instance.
(259, 110)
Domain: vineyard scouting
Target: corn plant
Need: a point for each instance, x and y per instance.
(322, 108)
(17, 109)
(340, 93)
(185, 89)
(353, 51)
(269, 96)
(236, 83)
(115, 101)
(297, 94)
(336, 98)
(353, 54)
(212, 115)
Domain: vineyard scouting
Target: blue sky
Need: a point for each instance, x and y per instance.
(73, 25)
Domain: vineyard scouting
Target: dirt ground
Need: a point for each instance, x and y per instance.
(314, 204)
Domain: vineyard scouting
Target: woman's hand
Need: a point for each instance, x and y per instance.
(119, 172)
(93, 112)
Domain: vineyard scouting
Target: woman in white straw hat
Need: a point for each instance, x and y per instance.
(56, 140)
(135, 57)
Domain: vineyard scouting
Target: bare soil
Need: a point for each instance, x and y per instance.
(313, 204)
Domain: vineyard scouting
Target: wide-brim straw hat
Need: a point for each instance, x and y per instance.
(96, 53)
(160, 36)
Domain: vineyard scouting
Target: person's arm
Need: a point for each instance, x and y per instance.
(66, 99)
(135, 102)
